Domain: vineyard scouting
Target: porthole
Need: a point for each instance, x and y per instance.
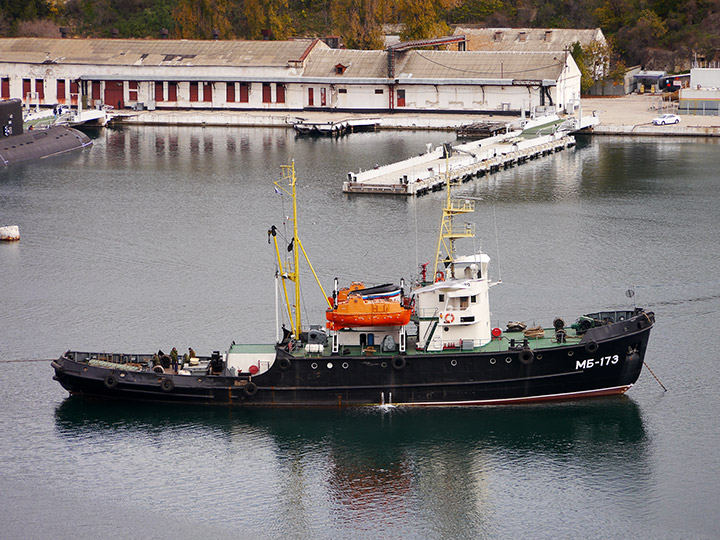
(122, 374)
(345, 365)
(329, 365)
(492, 361)
(383, 364)
(539, 356)
(453, 362)
(313, 365)
(508, 360)
(570, 353)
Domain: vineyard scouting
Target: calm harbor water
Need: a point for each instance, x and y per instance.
(156, 237)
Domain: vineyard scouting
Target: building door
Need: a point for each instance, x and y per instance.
(40, 89)
(401, 98)
(194, 91)
(95, 92)
(207, 92)
(61, 91)
(114, 94)
(5, 88)
(323, 97)
(244, 92)
(74, 92)
(311, 97)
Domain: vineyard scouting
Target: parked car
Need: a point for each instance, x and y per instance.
(666, 119)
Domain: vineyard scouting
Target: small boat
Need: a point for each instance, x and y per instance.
(9, 233)
(447, 353)
(358, 306)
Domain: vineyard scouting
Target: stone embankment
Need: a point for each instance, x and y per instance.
(626, 115)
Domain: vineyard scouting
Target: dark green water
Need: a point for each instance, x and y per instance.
(156, 237)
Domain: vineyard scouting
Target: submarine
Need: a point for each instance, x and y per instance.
(17, 146)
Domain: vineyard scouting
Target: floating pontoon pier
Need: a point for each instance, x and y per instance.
(429, 171)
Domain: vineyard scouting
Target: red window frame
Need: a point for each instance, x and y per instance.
(40, 89)
(132, 90)
(159, 91)
(61, 96)
(266, 93)
(172, 91)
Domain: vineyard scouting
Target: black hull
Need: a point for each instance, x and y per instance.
(608, 360)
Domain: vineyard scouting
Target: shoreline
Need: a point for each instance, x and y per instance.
(624, 116)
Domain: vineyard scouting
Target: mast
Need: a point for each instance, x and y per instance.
(291, 270)
(448, 234)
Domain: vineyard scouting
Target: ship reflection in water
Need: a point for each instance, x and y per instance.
(461, 472)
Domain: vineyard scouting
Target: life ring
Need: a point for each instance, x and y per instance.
(399, 362)
(284, 363)
(526, 356)
(591, 347)
(167, 385)
(439, 276)
(110, 382)
(250, 389)
(449, 317)
(158, 369)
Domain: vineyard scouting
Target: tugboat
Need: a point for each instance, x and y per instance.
(381, 346)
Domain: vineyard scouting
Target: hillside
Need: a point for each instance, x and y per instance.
(659, 34)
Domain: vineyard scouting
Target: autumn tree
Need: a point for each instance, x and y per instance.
(359, 22)
(271, 16)
(196, 19)
(422, 19)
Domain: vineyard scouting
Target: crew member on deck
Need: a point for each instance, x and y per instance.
(174, 359)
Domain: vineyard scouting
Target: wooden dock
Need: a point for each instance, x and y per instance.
(428, 172)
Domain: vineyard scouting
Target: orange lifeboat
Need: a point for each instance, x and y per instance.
(375, 306)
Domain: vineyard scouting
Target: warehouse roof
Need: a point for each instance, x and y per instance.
(162, 52)
(481, 65)
(527, 39)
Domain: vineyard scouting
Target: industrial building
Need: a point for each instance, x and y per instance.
(291, 75)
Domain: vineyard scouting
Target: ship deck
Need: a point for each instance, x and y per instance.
(508, 341)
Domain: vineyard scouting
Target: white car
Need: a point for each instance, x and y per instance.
(666, 119)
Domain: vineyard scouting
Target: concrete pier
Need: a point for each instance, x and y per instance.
(429, 171)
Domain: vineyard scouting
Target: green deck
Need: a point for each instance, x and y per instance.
(496, 345)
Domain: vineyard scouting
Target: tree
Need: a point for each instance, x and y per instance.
(421, 19)
(197, 19)
(359, 22)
